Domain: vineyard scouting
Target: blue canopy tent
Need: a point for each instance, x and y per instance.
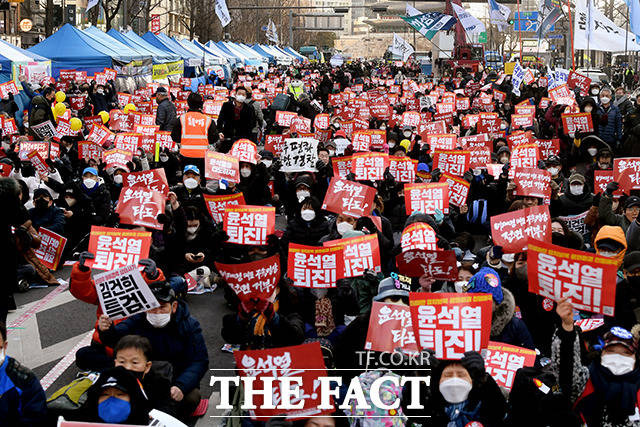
(250, 53)
(281, 57)
(107, 40)
(240, 58)
(225, 62)
(248, 58)
(213, 47)
(272, 58)
(10, 55)
(136, 42)
(284, 52)
(290, 50)
(163, 42)
(70, 48)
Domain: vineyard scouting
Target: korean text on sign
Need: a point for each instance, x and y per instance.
(349, 197)
(426, 197)
(512, 230)
(587, 279)
(369, 166)
(451, 323)
(115, 248)
(50, 249)
(418, 236)
(217, 204)
(123, 292)
(360, 254)
(257, 279)
(390, 328)
(314, 267)
(249, 225)
(503, 360)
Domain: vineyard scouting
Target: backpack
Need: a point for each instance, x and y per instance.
(73, 395)
(375, 417)
(280, 102)
(536, 400)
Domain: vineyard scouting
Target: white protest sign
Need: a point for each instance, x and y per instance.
(123, 292)
(299, 155)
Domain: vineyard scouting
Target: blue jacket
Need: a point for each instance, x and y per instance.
(22, 399)
(180, 343)
(611, 132)
(51, 218)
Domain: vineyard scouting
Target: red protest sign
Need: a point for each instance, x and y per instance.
(349, 197)
(454, 162)
(154, 179)
(89, 150)
(245, 151)
(9, 126)
(249, 225)
(426, 197)
(116, 248)
(304, 361)
(128, 141)
(8, 88)
(512, 230)
(99, 134)
(218, 204)
(458, 189)
(285, 118)
(51, 248)
(256, 279)
(548, 147)
(315, 267)
(380, 110)
(221, 166)
(275, 144)
(525, 109)
(626, 172)
(38, 164)
(601, 179)
(479, 157)
(321, 121)
(418, 236)
(410, 118)
(403, 169)
(139, 206)
(519, 138)
(525, 156)
(439, 127)
(451, 323)
(502, 360)
(360, 253)
(578, 80)
(27, 147)
(520, 121)
(341, 166)
(577, 122)
(369, 166)
(119, 121)
(116, 157)
(442, 142)
(474, 141)
(532, 182)
(462, 104)
(488, 125)
(390, 328)
(587, 279)
(5, 169)
(438, 265)
(361, 140)
(499, 95)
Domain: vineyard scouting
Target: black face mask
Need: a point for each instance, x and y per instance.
(41, 203)
(557, 238)
(521, 273)
(137, 375)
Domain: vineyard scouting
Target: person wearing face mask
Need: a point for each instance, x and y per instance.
(45, 213)
(610, 242)
(197, 242)
(554, 167)
(189, 193)
(341, 225)
(166, 112)
(505, 326)
(631, 208)
(609, 128)
(194, 131)
(134, 353)
(96, 195)
(308, 226)
(604, 392)
(117, 180)
(253, 183)
(576, 200)
(22, 399)
(461, 393)
(623, 102)
(237, 119)
(175, 337)
(602, 161)
(116, 398)
(102, 97)
(503, 155)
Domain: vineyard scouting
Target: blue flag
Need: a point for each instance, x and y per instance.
(428, 24)
(634, 16)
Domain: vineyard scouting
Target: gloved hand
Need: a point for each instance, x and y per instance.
(611, 188)
(150, 268)
(438, 216)
(541, 164)
(82, 258)
(364, 222)
(435, 175)
(505, 169)
(473, 363)
(468, 176)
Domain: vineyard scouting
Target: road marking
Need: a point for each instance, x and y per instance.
(65, 362)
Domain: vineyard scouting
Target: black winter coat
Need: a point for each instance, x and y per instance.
(236, 129)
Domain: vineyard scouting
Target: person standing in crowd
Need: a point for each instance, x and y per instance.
(194, 131)
(166, 113)
(237, 119)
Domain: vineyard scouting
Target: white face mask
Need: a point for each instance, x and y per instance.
(267, 163)
(192, 230)
(241, 98)
(592, 151)
(302, 194)
(607, 254)
(70, 201)
(504, 160)
(245, 172)
(407, 134)
(392, 144)
(595, 92)
(588, 109)
(617, 363)
(117, 179)
(553, 171)
(213, 185)
(576, 190)
(89, 182)
(190, 183)
(605, 99)
(308, 214)
(158, 320)
(459, 285)
(455, 390)
(343, 227)
(164, 158)
(332, 153)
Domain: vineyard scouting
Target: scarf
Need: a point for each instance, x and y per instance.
(324, 317)
(458, 417)
(616, 393)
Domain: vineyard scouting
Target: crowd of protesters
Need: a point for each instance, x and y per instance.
(157, 359)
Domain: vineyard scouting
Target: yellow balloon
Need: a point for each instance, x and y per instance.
(75, 123)
(60, 96)
(129, 107)
(60, 108)
(104, 116)
(55, 116)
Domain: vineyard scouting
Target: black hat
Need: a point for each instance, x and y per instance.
(161, 89)
(552, 160)
(266, 155)
(504, 149)
(304, 180)
(629, 203)
(631, 261)
(163, 291)
(41, 192)
(609, 245)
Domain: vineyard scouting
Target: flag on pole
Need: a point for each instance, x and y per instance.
(428, 24)
(272, 32)
(550, 12)
(90, 4)
(412, 11)
(222, 12)
(401, 47)
(594, 31)
(470, 23)
(498, 13)
(634, 16)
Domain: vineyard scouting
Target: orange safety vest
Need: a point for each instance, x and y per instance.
(194, 139)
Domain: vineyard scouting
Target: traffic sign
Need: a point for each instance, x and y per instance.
(528, 21)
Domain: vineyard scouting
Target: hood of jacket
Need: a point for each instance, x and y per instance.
(503, 313)
(612, 232)
(40, 101)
